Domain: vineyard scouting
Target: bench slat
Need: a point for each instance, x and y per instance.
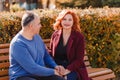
(6, 45)
(46, 41)
(4, 65)
(104, 77)
(2, 58)
(94, 72)
(85, 58)
(4, 72)
(87, 64)
(4, 78)
(5, 50)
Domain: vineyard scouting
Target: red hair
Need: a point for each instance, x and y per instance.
(76, 25)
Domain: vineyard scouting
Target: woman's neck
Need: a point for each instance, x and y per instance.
(66, 31)
(66, 35)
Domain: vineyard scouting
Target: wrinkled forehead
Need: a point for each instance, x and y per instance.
(37, 20)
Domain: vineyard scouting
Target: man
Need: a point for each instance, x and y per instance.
(28, 55)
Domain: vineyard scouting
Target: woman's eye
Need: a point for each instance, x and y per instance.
(70, 19)
(64, 19)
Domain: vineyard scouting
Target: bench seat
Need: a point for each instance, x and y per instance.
(94, 73)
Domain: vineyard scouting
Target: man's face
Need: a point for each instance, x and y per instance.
(37, 26)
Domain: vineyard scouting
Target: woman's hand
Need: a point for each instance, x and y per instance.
(57, 73)
(61, 70)
(67, 72)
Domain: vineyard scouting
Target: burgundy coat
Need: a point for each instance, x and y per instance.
(75, 52)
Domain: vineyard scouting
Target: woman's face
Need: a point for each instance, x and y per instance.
(67, 21)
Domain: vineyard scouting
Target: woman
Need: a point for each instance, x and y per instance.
(67, 45)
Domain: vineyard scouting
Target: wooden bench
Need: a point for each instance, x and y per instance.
(94, 73)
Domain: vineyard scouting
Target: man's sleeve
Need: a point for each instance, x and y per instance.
(49, 60)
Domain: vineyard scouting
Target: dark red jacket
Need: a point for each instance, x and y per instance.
(75, 52)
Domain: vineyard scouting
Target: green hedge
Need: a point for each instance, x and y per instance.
(101, 27)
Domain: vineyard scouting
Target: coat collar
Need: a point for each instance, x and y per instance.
(70, 41)
(57, 38)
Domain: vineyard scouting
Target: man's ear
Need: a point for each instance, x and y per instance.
(30, 25)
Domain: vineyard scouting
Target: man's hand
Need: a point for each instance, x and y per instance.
(61, 70)
(57, 73)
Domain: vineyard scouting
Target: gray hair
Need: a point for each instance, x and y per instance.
(28, 17)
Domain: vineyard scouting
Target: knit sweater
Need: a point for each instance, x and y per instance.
(29, 57)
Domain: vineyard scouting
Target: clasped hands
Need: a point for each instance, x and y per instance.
(61, 71)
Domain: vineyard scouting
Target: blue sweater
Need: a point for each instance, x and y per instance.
(29, 57)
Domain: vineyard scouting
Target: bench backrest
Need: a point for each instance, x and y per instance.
(4, 59)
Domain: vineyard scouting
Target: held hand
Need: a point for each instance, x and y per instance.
(67, 72)
(60, 69)
(57, 73)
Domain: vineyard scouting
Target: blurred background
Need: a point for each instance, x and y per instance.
(13, 5)
(99, 21)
